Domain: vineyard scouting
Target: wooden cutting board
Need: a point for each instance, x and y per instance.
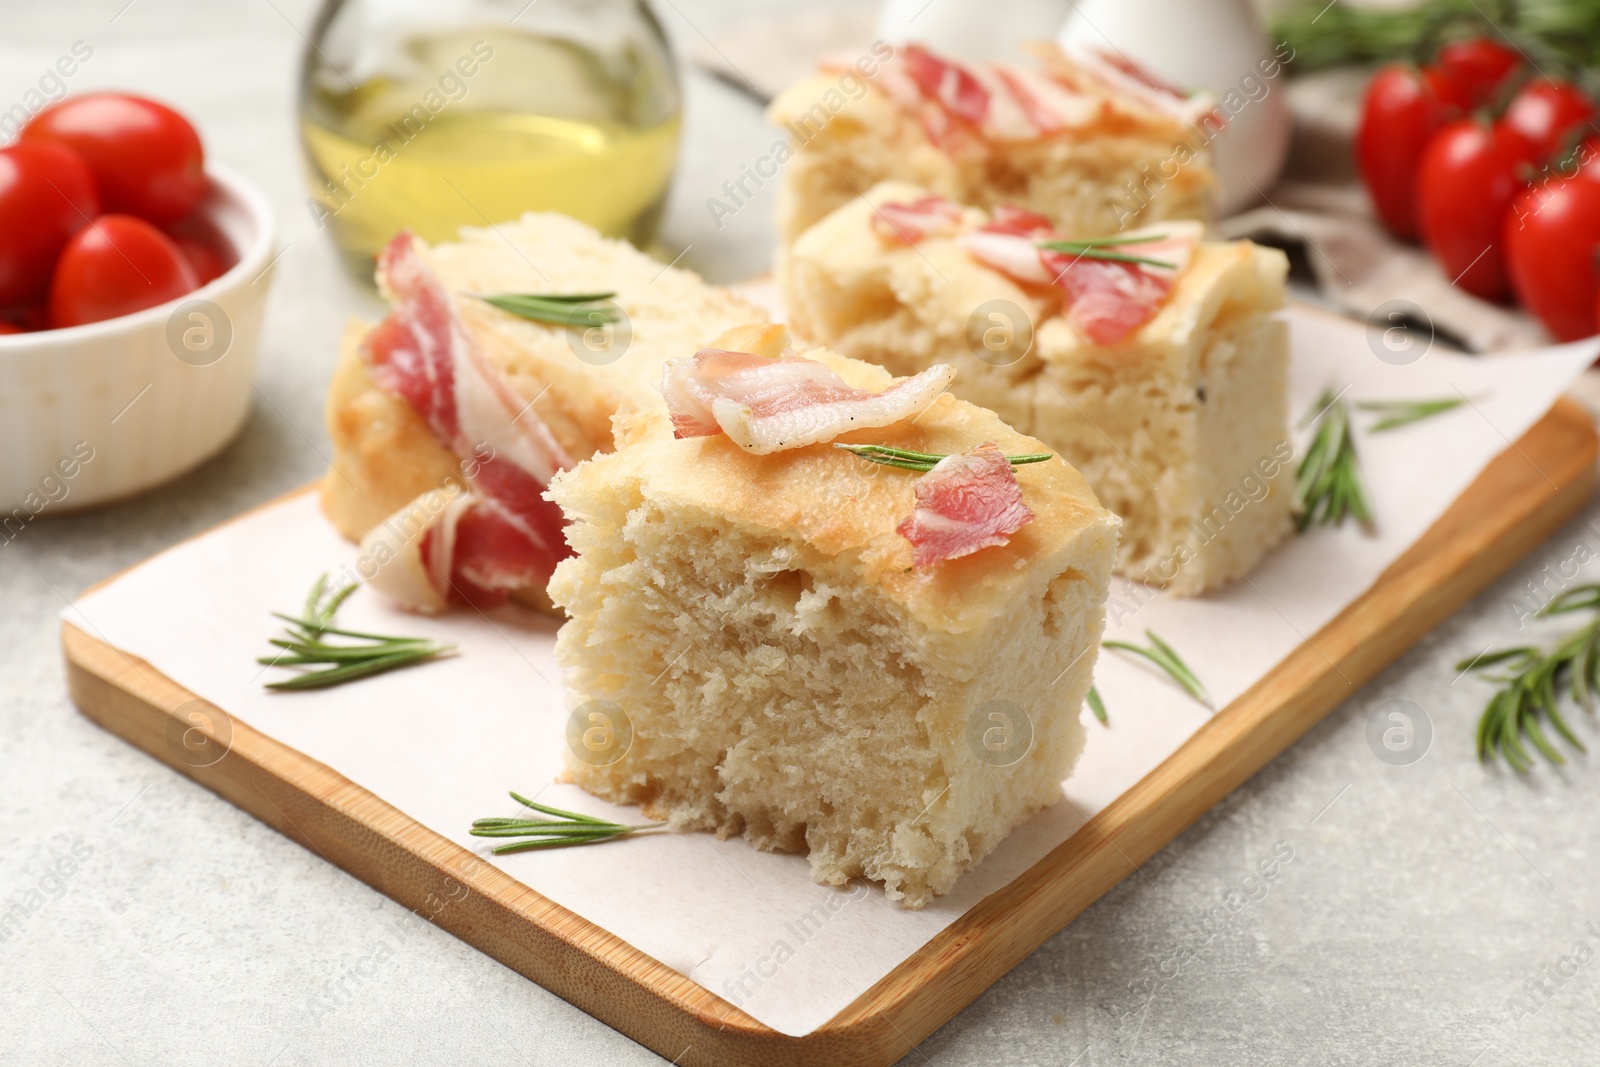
(1520, 499)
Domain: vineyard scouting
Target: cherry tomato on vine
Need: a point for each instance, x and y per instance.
(146, 158)
(116, 266)
(1544, 113)
(1470, 174)
(46, 195)
(1401, 111)
(1552, 236)
(1474, 70)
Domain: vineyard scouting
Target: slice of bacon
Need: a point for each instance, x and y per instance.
(1011, 254)
(948, 84)
(1009, 218)
(502, 535)
(967, 502)
(765, 404)
(1108, 300)
(1124, 81)
(908, 223)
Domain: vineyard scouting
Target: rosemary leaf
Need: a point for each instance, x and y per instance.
(1530, 682)
(304, 645)
(566, 829)
(574, 310)
(1396, 413)
(1328, 483)
(1098, 706)
(1097, 249)
(1166, 657)
(906, 459)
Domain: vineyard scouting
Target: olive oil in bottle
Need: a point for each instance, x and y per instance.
(474, 125)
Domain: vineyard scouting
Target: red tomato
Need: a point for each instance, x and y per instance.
(146, 158)
(1470, 174)
(206, 261)
(11, 327)
(46, 195)
(1474, 70)
(1544, 113)
(1401, 111)
(1552, 235)
(116, 266)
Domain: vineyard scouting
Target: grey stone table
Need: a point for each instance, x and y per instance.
(1439, 913)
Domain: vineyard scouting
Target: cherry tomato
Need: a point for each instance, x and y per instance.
(205, 260)
(1552, 235)
(1470, 174)
(46, 195)
(146, 158)
(1401, 111)
(1544, 113)
(1474, 70)
(116, 266)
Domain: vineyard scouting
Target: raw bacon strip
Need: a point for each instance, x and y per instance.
(502, 535)
(770, 405)
(947, 84)
(1108, 300)
(1008, 253)
(1009, 218)
(1125, 80)
(453, 545)
(928, 216)
(965, 503)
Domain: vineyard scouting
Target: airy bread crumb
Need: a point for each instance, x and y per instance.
(789, 677)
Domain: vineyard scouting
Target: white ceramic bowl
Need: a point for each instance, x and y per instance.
(97, 412)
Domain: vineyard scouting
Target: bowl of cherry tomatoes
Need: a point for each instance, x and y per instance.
(1495, 168)
(133, 278)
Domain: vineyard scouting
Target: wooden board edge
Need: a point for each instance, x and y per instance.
(435, 878)
(679, 1019)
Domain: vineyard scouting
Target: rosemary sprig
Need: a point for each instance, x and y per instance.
(570, 828)
(1098, 706)
(1531, 682)
(573, 310)
(305, 646)
(1166, 657)
(1395, 413)
(1328, 482)
(906, 459)
(1099, 248)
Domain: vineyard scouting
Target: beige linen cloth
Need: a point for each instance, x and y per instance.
(1318, 204)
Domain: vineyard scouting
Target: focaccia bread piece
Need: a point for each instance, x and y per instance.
(1085, 140)
(559, 385)
(1181, 426)
(788, 674)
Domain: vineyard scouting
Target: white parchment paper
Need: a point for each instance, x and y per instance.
(445, 742)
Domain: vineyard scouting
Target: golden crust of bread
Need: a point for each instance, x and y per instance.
(848, 508)
(1167, 424)
(384, 456)
(845, 264)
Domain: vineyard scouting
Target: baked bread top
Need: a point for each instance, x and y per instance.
(385, 455)
(669, 310)
(943, 283)
(1079, 97)
(844, 510)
